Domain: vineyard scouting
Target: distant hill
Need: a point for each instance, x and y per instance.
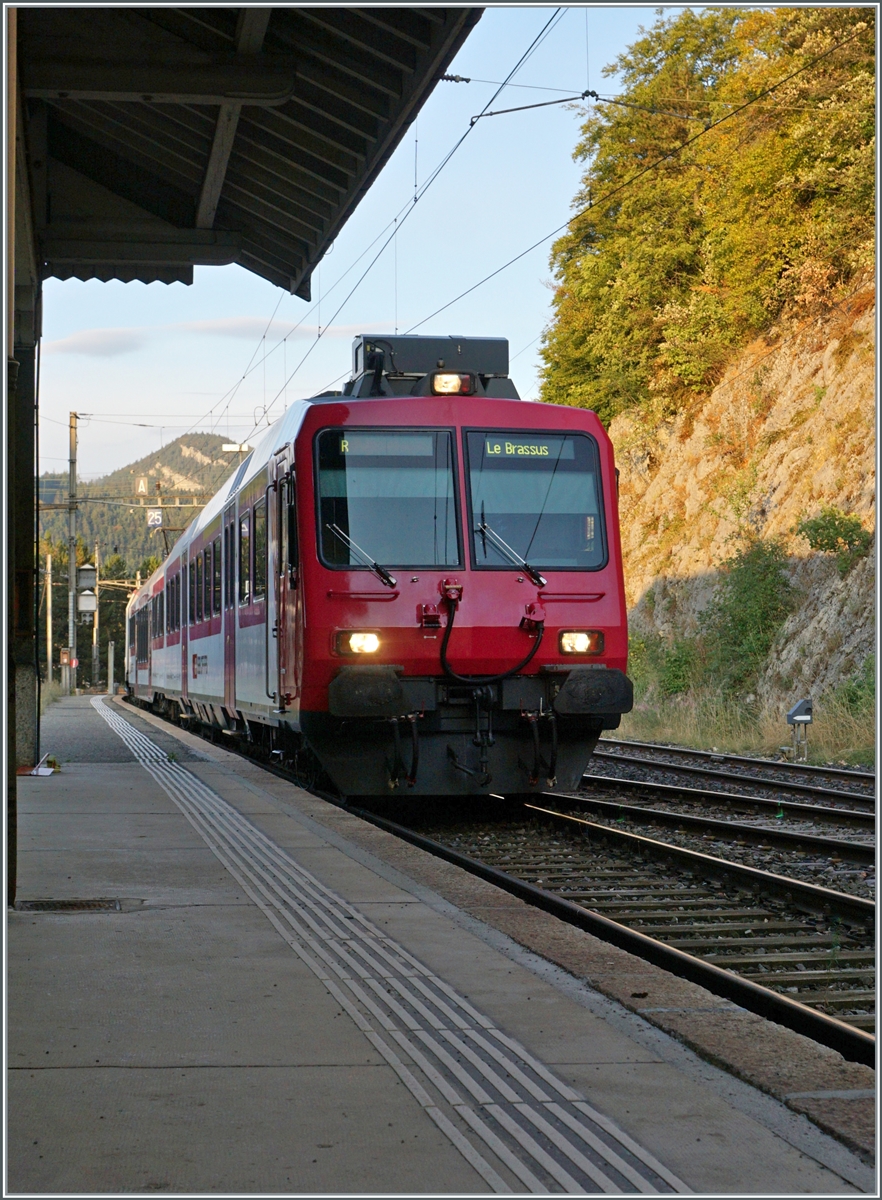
(191, 468)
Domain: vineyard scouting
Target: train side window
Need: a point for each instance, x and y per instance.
(260, 550)
(282, 526)
(216, 577)
(199, 558)
(232, 567)
(191, 599)
(206, 583)
(245, 558)
(293, 548)
(227, 588)
(160, 625)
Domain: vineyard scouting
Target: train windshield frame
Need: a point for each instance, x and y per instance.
(393, 492)
(540, 492)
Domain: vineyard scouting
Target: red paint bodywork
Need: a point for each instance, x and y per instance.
(487, 637)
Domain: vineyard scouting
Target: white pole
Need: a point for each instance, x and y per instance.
(110, 649)
(72, 555)
(95, 668)
(48, 618)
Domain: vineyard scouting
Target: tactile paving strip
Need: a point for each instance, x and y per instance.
(519, 1126)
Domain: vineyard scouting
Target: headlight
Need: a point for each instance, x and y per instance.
(353, 642)
(445, 383)
(581, 641)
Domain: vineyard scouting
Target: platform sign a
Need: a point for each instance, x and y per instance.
(142, 485)
(154, 518)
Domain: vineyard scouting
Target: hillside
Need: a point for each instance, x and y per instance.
(190, 468)
(713, 305)
(786, 433)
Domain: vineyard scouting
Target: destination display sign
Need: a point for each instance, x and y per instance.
(528, 447)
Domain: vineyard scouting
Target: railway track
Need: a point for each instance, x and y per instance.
(800, 954)
(711, 827)
(852, 788)
(862, 819)
(793, 951)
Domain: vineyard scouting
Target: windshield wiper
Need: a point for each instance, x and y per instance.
(381, 573)
(512, 555)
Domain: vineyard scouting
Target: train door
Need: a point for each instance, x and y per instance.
(286, 590)
(229, 601)
(279, 575)
(184, 610)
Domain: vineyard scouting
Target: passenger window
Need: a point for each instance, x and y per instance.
(198, 587)
(260, 550)
(227, 569)
(245, 558)
(292, 529)
(191, 608)
(216, 577)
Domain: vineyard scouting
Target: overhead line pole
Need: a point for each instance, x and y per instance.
(95, 645)
(72, 556)
(48, 618)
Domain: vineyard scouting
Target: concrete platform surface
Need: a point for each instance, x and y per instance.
(285, 1000)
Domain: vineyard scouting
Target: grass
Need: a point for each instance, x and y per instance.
(49, 693)
(709, 719)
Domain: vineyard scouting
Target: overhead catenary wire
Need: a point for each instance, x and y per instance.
(405, 212)
(609, 195)
(212, 414)
(394, 224)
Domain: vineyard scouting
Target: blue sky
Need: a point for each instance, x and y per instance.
(150, 362)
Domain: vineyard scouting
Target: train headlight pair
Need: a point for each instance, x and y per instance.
(356, 641)
(581, 641)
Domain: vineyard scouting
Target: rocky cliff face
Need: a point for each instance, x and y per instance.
(789, 429)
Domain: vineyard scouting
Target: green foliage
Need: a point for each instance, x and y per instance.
(751, 603)
(190, 468)
(149, 565)
(663, 273)
(835, 532)
(858, 692)
(671, 669)
(679, 666)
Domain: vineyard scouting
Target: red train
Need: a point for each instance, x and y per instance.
(414, 583)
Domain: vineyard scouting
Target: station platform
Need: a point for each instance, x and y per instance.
(256, 992)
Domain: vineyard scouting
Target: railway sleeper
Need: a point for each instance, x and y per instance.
(803, 976)
(722, 943)
(852, 956)
(830, 999)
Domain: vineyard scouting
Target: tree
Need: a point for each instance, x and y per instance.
(689, 238)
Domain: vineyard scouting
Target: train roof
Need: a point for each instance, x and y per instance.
(408, 357)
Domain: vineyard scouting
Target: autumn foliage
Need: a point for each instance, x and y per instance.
(691, 237)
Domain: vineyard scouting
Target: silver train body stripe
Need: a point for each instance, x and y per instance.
(445, 1049)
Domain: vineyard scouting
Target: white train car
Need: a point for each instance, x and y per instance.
(203, 629)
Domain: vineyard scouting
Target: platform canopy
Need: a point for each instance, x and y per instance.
(159, 139)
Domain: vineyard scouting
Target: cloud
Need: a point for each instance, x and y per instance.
(112, 343)
(99, 343)
(253, 328)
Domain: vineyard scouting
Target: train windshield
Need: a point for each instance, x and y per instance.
(392, 493)
(540, 494)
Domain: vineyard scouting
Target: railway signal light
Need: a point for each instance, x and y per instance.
(799, 718)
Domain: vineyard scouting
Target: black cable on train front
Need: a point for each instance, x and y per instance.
(481, 679)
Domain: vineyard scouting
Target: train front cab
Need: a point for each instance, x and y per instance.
(503, 525)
